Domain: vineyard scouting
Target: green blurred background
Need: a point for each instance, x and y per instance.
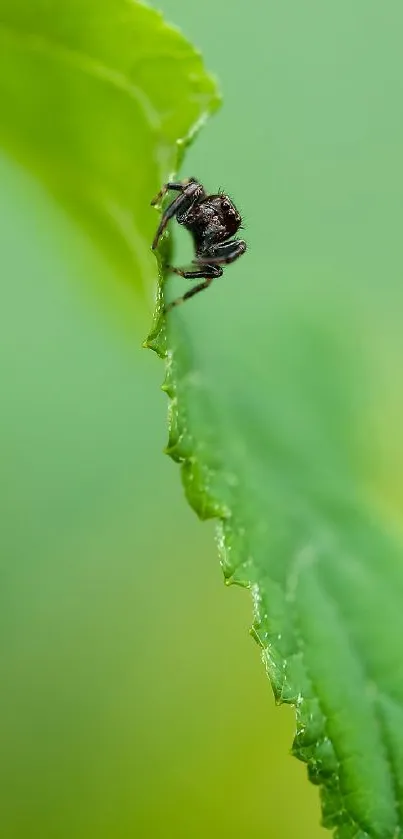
(133, 701)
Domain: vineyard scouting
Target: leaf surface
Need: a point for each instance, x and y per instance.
(285, 417)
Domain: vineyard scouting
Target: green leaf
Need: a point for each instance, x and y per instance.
(94, 96)
(286, 418)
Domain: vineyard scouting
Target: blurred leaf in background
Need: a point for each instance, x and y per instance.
(95, 95)
(126, 707)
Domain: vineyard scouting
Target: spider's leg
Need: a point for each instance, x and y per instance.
(176, 186)
(224, 253)
(209, 273)
(179, 205)
(197, 273)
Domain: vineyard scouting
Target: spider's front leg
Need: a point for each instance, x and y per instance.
(190, 191)
(223, 254)
(175, 186)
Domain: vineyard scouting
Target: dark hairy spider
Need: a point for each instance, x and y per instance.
(212, 221)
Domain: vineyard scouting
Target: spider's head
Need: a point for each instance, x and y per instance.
(229, 216)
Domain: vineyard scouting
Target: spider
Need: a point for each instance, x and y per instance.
(212, 220)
